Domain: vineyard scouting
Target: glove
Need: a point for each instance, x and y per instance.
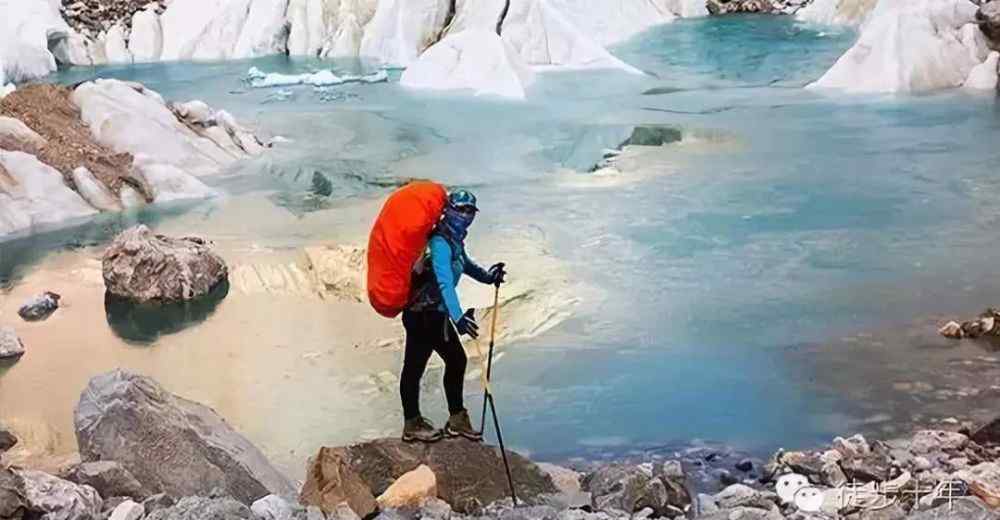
(497, 274)
(467, 324)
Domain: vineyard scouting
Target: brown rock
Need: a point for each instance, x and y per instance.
(988, 433)
(142, 266)
(470, 475)
(331, 481)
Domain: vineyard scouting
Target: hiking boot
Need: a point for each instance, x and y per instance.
(420, 430)
(459, 425)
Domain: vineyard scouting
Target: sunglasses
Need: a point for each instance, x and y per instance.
(466, 210)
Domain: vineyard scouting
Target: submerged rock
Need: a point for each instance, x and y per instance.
(40, 307)
(987, 324)
(470, 475)
(168, 443)
(60, 499)
(142, 266)
(10, 344)
(109, 478)
(653, 135)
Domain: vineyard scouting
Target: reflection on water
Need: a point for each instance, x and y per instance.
(144, 323)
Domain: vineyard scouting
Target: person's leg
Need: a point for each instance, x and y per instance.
(419, 345)
(455, 361)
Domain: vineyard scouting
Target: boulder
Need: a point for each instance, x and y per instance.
(7, 439)
(60, 499)
(409, 490)
(988, 18)
(157, 502)
(272, 507)
(629, 489)
(470, 475)
(740, 495)
(128, 510)
(13, 504)
(109, 478)
(39, 307)
(868, 468)
(331, 481)
(142, 266)
(168, 443)
(928, 441)
(10, 344)
(202, 508)
(987, 434)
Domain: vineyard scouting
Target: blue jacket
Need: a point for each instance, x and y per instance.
(447, 261)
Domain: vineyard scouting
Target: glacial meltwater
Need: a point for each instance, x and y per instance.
(771, 279)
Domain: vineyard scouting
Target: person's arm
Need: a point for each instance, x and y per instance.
(476, 271)
(441, 263)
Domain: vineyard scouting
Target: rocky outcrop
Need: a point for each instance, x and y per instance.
(469, 475)
(109, 478)
(169, 444)
(11, 346)
(142, 266)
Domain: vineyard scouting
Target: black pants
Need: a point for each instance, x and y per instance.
(426, 332)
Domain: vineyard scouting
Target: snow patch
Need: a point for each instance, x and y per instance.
(474, 59)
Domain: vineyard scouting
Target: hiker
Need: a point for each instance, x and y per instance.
(434, 320)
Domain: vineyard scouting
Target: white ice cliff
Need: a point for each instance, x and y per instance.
(911, 46)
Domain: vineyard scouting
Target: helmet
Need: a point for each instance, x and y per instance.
(462, 199)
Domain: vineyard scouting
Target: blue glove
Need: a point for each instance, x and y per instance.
(497, 274)
(467, 324)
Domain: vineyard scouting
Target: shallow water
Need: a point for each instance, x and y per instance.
(723, 272)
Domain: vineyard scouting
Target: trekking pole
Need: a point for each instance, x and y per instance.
(488, 397)
(489, 362)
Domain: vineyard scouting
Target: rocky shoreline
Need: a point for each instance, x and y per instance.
(147, 453)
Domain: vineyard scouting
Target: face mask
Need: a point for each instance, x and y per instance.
(456, 224)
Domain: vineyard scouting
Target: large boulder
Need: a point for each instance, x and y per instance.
(630, 489)
(470, 475)
(168, 443)
(13, 505)
(143, 266)
(331, 481)
(60, 499)
(109, 478)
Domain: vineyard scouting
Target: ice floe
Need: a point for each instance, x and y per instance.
(911, 46)
(475, 59)
(323, 78)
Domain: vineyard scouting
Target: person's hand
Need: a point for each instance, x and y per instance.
(467, 324)
(497, 274)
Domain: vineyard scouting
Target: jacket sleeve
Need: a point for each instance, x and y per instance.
(476, 271)
(441, 263)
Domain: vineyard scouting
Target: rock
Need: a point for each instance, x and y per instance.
(109, 478)
(984, 477)
(272, 507)
(744, 513)
(987, 434)
(928, 441)
(745, 465)
(959, 509)
(807, 464)
(13, 504)
(672, 469)
(724, 476)
(653, 135)
(952, 329)
(128, 510)
(40, 307)
(142, 267)
(169, 444)
(342, 511)
(60, 499)
(867, 468)
(409, 490)
(10, 345)
(157, 502)
(988, 18)
(331, 480)
(567, 481)
(854, 446)
(201, 508)
(7, 439)
(470, 475)
(434, 508)
(629, 489)
(739, 495)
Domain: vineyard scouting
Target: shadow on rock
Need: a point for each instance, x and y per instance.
(144, 323)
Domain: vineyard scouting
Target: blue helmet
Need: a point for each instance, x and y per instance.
(462, 199)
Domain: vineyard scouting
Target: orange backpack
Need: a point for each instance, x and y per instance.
(398, 240)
